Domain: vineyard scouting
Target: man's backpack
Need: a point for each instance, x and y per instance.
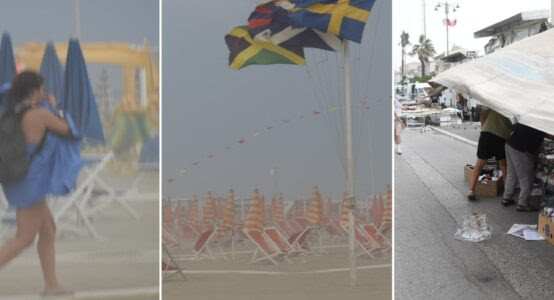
(13, 159)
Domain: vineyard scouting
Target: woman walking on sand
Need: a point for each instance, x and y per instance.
(52, 153)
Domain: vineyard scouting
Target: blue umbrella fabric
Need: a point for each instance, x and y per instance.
(79, 98)
(7, 66)
(52, 71)
(150, 152)
(7, 62)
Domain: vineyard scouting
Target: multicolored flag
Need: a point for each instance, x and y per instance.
(270, 22)
(449, 22)
(343, 18)
(245, 51)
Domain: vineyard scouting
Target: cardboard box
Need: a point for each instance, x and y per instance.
(485, 188)
(546, 228)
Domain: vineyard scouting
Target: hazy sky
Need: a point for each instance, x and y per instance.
(472, 16)
(101, 21)
(207, 106)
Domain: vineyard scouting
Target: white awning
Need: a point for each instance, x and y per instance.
(517, 81)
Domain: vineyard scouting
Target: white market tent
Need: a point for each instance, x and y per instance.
(517, 81)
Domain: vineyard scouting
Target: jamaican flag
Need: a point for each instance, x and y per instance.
(245, 51)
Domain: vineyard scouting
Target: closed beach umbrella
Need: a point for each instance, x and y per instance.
(228, 220)
(52, 71)
(7, 62)
(79, 98)
(254, 221)
(314, 211)
(7, 67)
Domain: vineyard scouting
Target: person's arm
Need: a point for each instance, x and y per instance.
(55, 124)
(483, 116)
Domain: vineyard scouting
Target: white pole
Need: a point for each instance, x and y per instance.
(349, 163)
(446, 8)
(424, 20)
(552, 12)
(78, 18)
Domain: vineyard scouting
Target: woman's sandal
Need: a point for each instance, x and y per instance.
(526, 208)
(471, 196)
(507, 202)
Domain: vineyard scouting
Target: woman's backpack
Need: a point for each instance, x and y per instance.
(13, 159)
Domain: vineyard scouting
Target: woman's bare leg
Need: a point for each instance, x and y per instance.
(479, 165)
(29, 220)
(46, 253)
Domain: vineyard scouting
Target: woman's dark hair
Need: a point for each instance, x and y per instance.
(22, 85)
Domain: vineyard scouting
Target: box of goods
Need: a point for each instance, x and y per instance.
(489, 184)
(546, 224)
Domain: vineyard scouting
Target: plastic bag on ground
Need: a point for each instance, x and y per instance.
(474, 228)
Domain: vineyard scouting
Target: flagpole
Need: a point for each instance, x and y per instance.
(78, 18)
(349, 163)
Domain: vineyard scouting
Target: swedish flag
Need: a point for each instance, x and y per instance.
(343, 18)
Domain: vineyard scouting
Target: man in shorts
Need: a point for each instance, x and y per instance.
(495, 131)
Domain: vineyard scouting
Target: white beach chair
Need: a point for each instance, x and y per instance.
(8, 218)
(133, 192)
(70, 211)
(110, 195)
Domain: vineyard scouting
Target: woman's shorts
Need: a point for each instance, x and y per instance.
(491, 145)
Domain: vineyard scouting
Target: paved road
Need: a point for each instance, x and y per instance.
(430, 202)
(469, 131)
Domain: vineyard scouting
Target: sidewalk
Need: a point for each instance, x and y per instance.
(430, 201)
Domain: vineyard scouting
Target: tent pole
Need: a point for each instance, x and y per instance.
(349, 163)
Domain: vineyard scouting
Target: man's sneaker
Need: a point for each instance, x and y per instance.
(398, 150)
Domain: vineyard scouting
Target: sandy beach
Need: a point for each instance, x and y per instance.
(318, 276)
(123, 265)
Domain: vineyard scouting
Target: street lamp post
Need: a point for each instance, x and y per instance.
(447, 7)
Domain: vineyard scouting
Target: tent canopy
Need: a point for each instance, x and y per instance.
(517, 81)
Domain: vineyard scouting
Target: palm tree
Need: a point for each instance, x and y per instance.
(404, 41)
(424, 51)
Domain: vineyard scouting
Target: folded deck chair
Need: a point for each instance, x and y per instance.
(299, 240)
(296, 227)
(197, 228)
(263, 246)
(336, 229)
(209, 236)
(171, 266)
(384, 230)
(170, 240)
(285, 228)
(372, 232)
(366, 245)
(280, 242)
(72, 210)
(302, 222)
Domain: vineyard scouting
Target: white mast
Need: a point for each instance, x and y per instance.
(552, 12)
(349, 163)
(78, 18)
